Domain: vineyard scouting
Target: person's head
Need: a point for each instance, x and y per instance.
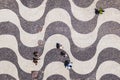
(57, 45)
(35, 53)
(35, 61)
(96, 11)
(70, 66)
(62, 53)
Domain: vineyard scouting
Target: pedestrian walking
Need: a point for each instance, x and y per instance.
(68, 64)
(36, 57)
(99, 11)
(59, 46)
(63, 53)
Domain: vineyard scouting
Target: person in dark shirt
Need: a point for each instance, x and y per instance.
(68, 64)
(58, 46)
(63, 53)
(99, 11)
(36, 58)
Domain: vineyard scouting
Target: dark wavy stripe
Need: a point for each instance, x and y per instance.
(78, 53)
(51, 56)
(31, 3)
(9, 55)
(34, 27)
(110, 77)
(61, 28)
(83, 3)
(11, 29)
(86, 53)
(106, 54)
(84, 27)
(56, 77)
(79, 26)
(108, 4)
(54, 55)
(6, 77)
(36, 3)
(28, 26)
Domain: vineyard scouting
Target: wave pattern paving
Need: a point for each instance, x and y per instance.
(91, 41)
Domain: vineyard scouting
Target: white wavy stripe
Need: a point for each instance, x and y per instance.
(31, 14)
(54, 68)
(84, 14)
(108, 67)
(7, 67)
(80, 67)
(9, 41)
(83, 68)
(80, 40)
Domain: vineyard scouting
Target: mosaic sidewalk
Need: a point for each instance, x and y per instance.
(91, 41)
